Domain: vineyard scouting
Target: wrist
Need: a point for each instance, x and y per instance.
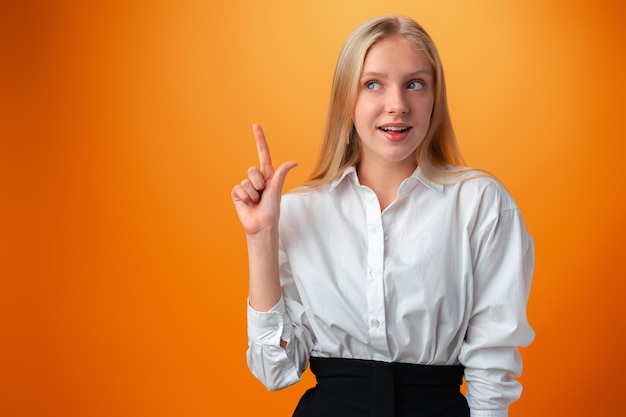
(263, 240)
(263, 235)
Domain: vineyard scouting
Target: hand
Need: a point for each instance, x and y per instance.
(257, 198)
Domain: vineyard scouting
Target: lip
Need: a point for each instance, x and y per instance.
(395, 136)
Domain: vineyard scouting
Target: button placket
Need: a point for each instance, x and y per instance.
(375, 289)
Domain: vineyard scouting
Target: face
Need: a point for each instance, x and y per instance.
(394, 103)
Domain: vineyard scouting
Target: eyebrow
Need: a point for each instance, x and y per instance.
(383, 75)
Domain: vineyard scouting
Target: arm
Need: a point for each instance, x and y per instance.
(264, 285)
(503, 267)
(257, 201)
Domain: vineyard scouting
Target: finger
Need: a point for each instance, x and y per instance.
(256, 178)
(265, 160)
(281, 173)
(238, 194)
(253, 195)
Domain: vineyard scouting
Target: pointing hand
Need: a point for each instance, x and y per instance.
(257, 198)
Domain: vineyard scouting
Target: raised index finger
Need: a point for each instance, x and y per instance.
(265, 159)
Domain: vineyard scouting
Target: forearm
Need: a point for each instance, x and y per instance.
(264, 283)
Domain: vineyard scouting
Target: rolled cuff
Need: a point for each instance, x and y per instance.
(266, 328)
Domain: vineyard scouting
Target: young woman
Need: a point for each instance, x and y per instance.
(394, 270)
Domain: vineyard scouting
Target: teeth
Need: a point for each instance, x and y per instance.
(394, 128)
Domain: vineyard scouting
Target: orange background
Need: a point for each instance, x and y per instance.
(124, 125)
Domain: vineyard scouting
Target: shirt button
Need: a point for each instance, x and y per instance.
(386, 237)
(375, 323)
(374, 273)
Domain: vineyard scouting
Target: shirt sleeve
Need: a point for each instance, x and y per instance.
(277, 367)
(503, 268)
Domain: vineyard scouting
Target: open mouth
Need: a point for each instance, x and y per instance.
(398, 129)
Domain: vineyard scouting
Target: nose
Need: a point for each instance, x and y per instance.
(396, 101)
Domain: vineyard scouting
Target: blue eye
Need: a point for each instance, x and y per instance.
(372, 85)
(415, 85)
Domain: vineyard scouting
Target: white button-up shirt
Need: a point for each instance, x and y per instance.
(440, 277)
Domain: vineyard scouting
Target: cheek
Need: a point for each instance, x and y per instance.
(425, 110)
(364, 111)
(358, 116)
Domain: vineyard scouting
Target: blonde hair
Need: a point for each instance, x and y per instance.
(438, 156)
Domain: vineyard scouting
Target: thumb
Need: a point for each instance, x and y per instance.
(281, 173)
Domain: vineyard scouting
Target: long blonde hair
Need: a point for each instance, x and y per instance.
(438, 156)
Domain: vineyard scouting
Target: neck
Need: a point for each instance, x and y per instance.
(384, 179)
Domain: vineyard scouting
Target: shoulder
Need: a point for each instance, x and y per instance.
(304, 195)
(483, 201)
(319, 194)
(302, 202)
(480, 188)
(481, 195)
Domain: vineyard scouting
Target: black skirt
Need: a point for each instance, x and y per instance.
(363, 388)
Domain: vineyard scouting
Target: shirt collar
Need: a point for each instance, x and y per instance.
(406, 184)
(351, 170)
(431, 185)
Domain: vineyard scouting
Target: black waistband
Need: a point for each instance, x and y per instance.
(357, 388)
(403, 373)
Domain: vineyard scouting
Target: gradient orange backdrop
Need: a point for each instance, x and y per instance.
(124, 125)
